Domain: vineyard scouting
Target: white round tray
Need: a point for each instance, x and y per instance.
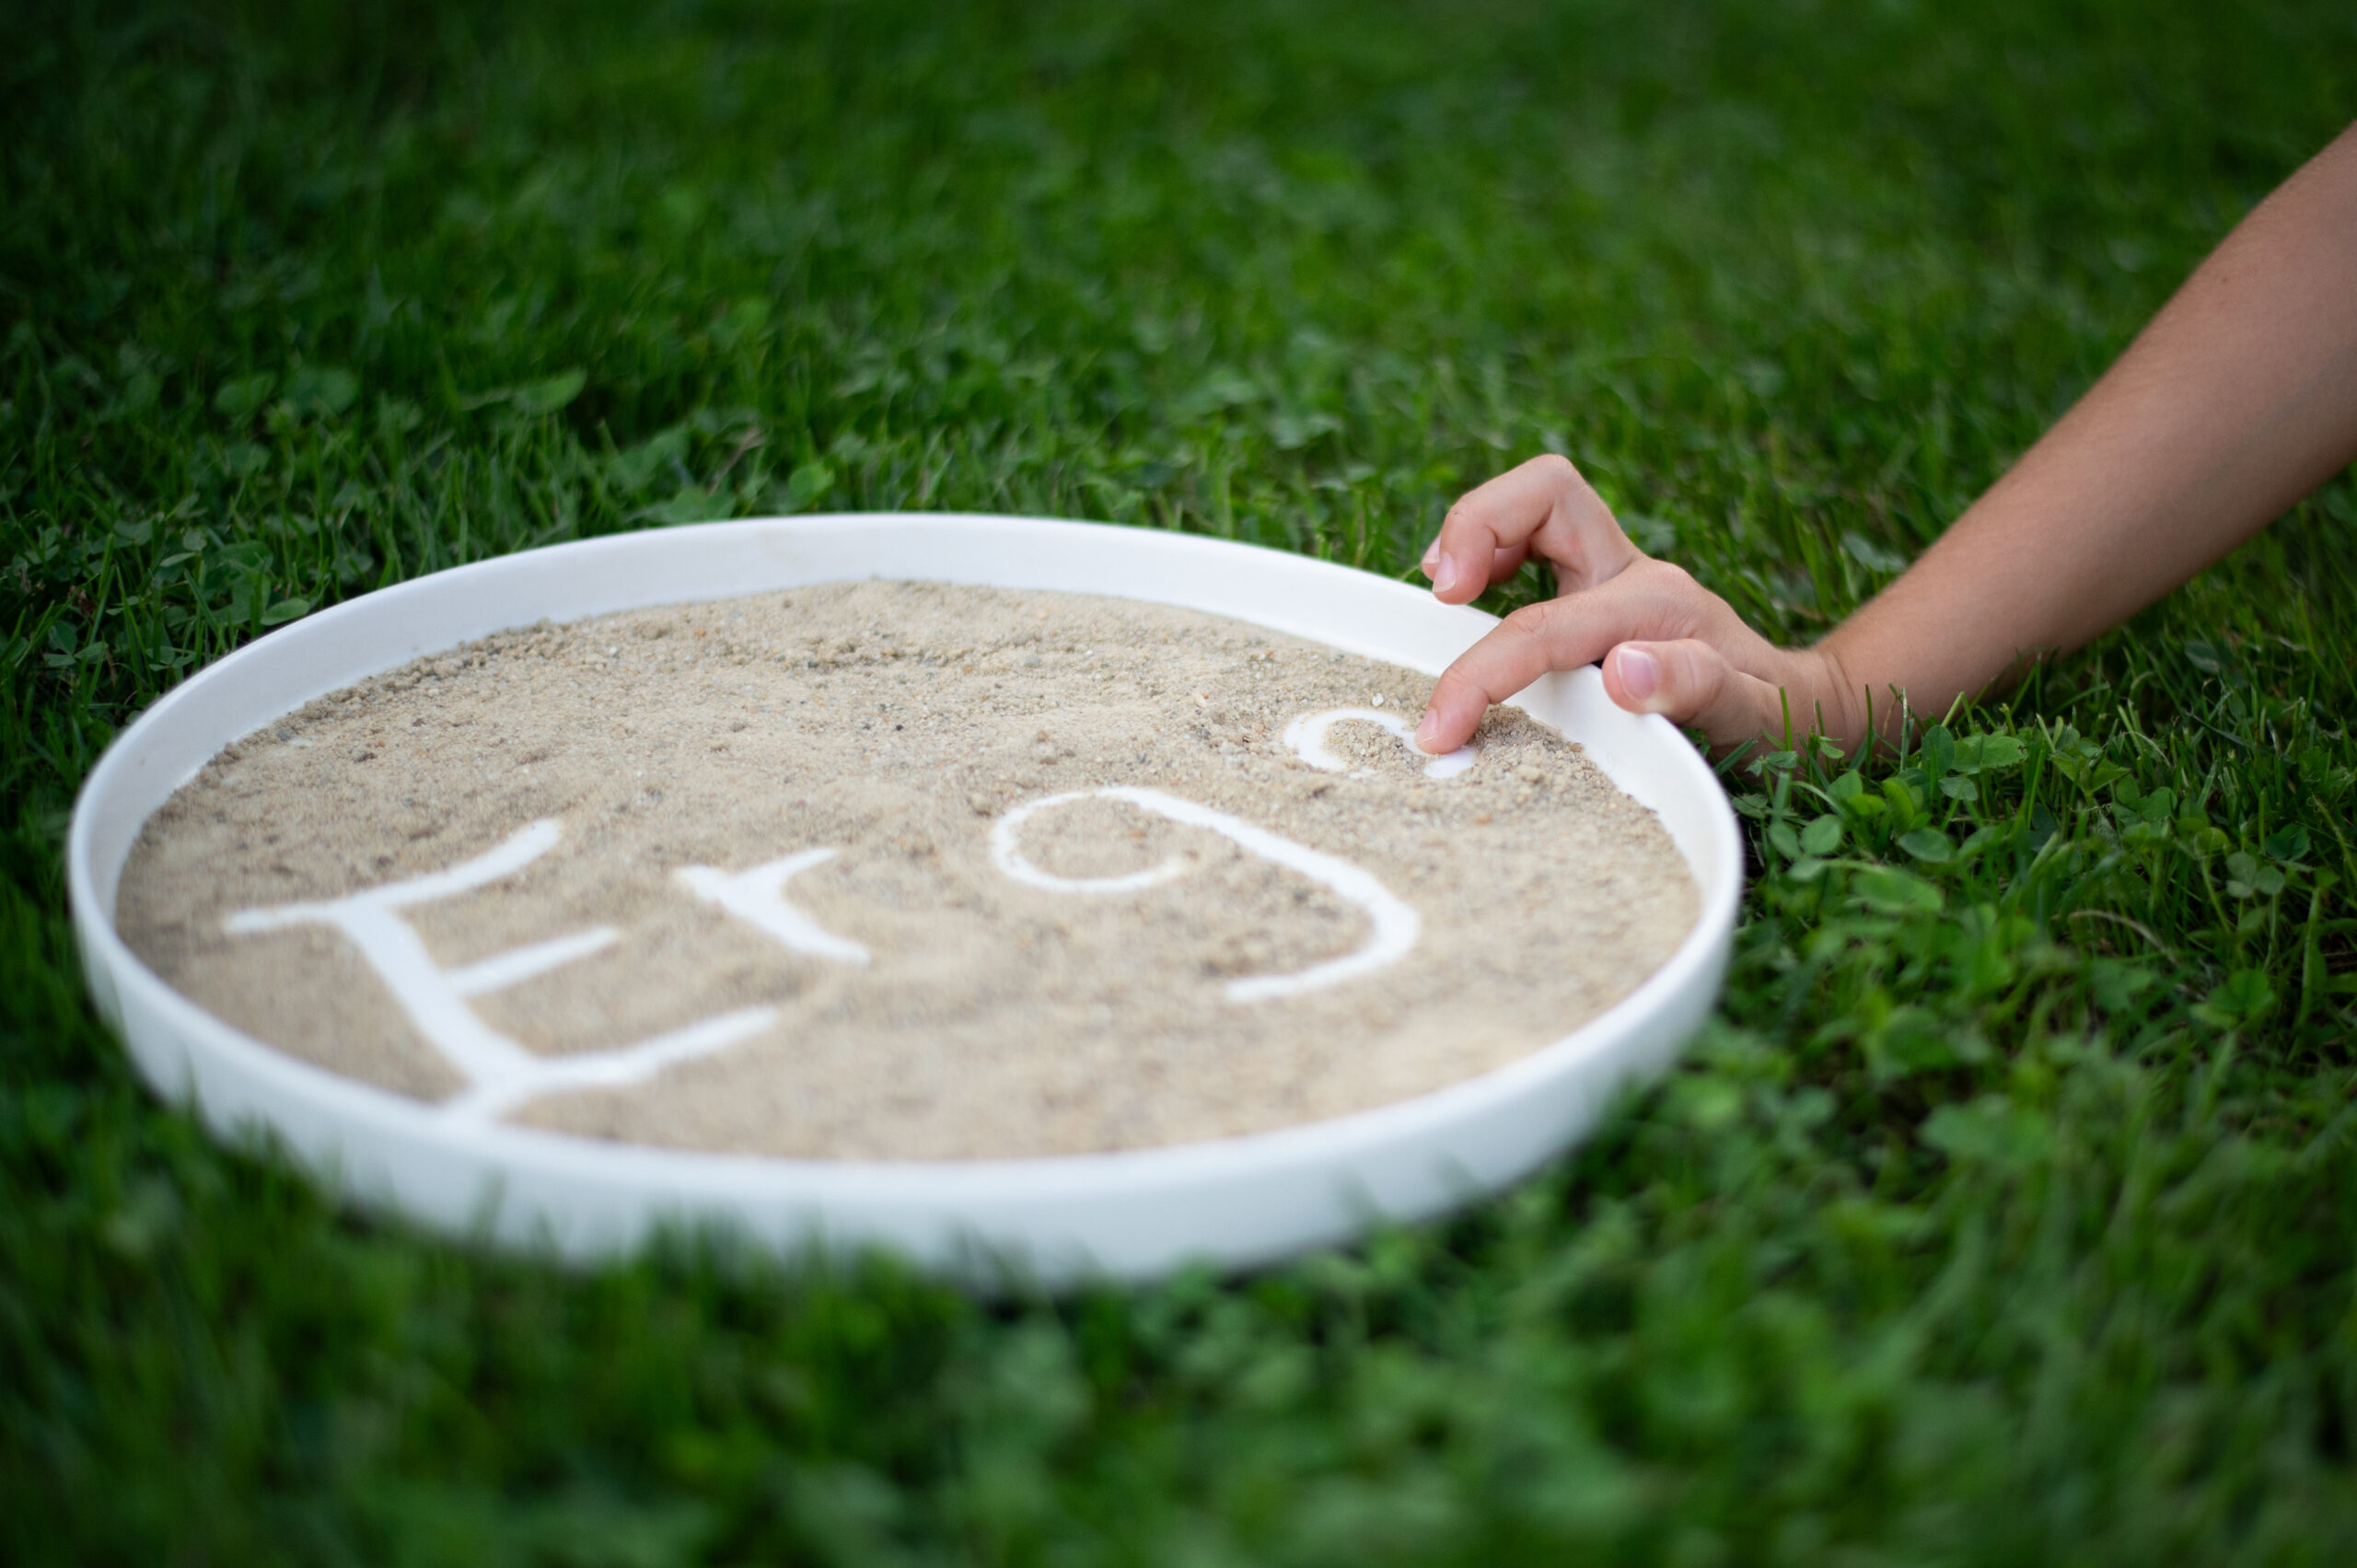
(1229, 1202)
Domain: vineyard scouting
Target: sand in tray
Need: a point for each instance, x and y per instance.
(937, 986)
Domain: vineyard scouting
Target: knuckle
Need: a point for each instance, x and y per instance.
(1672, 579)
(1556, 467)
(1531, 620)
(1670, 592)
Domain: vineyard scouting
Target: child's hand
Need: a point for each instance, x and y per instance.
(1668, 645)
(2237, 400)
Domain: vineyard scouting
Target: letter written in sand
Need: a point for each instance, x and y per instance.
(758, 897)
(501, 1073)
(1397, 925)
(1306, 736)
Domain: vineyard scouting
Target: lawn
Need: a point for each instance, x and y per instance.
(2007, 1212)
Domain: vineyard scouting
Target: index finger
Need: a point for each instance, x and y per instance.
(1542, 507)
(1562, 634)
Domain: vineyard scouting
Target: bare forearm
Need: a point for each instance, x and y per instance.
(2237, 400)
(2240, 398)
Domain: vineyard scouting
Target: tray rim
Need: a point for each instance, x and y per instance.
(979, 1219)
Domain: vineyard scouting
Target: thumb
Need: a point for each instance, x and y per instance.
(1691, 683)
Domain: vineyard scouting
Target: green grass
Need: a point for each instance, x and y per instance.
(2007, 1213)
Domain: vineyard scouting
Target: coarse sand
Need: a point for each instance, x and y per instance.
(935, 1006)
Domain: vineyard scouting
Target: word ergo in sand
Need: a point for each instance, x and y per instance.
(502, 1072)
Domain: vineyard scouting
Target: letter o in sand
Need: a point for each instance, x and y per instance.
(1396, 925)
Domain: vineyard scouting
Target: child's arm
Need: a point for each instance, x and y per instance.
(2239, 399)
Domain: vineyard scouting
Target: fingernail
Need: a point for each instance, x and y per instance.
(1640, 672)
(1428, 732)
(1431, 557)
(1445, 578)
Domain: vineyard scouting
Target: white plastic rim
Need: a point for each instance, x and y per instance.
(1134, 1214)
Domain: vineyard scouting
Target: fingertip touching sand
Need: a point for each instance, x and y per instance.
(755, 904)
